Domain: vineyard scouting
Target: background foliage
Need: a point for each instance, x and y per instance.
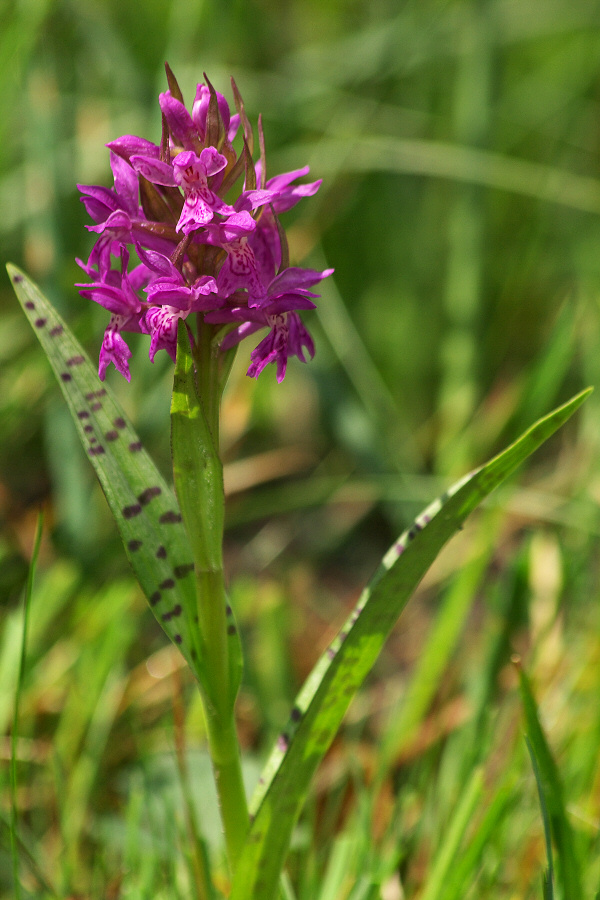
(459, 144)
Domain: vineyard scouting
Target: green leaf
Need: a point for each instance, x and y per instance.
(552, 803)
(335, 679)
(144, 507)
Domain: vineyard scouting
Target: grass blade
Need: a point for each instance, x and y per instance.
(144, 507)
(336, 677)
(551, 800)
(14, 815)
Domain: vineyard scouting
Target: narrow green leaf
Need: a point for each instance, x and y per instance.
(548, 875)
(15, 726)
(144, 507)
(442, 866)
(336, 677)
(551, 797)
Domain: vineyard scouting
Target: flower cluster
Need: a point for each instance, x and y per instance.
(197, 253)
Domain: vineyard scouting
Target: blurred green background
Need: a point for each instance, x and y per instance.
(459, 146)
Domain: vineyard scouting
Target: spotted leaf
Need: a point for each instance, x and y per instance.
(144, 506)
(335, 679)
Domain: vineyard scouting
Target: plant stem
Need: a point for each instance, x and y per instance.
(225, 755)
(219, 711)
(198, 475)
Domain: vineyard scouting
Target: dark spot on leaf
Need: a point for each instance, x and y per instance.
(111, 435)
(330, 652)
(93, 439)
(161, 553)
(167, 584)
(135, 446)
(75, 360)
(170, 518)
(66, 376)
(193, 653)
(146, 496)
(90, 396)
(83, 414)
(399, 548)
(119, 422)
(54, 332)
(283, 742)
(295, 714)
(88, 428)
(411, 534)
(183, 570)
(154, 598)
(130, 511)
(95, 407)
(39, 323)
(261, 780)
(166, 617)
(228, 610)
(29, 304)
(101, 392)
(177, 638)
(342, 636)
(231, 629)
(17, 278)
(177, 610)
(96, 451)
(134, 545)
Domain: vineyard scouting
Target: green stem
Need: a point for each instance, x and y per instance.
(227, 768)
(198, 475)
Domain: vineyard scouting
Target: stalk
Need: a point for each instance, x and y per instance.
(198, 476)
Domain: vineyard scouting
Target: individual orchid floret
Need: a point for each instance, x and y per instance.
(284, 194)
(161, 323)
(191, 173)
(118, 290)
(169, 286)
(290, 283)
(114, 349)
(288, 337)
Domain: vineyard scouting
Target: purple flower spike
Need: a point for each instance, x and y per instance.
(225, 263)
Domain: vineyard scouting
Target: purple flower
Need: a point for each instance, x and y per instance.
(284, 194)
(287, 293)
(197, 253)
(191, 173)
(161, 322)
(200, 110)
(288, 337)
(168, 285)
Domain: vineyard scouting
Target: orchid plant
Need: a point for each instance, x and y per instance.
(185, 256)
